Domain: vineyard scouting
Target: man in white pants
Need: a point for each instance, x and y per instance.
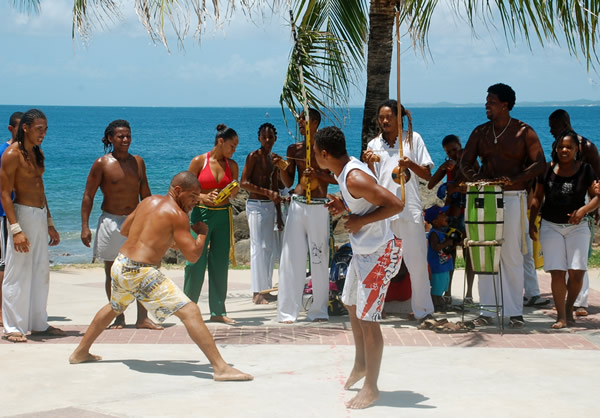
(27, 274)
(408, 225)
(306, 231)
(261, 180)
(510, 151)
(377, 256)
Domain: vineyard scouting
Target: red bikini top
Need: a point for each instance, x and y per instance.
(207, 178)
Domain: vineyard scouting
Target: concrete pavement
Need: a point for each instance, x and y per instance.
(299, 369)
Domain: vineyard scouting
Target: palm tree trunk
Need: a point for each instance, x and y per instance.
(379, 64)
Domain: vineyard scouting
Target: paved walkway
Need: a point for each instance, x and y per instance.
(299, 369)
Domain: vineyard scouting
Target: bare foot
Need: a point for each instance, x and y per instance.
(77, 358)
(223, 318)
(119, 322)
(363, 399)
(56, 332)
(560, 324)
(148, 324)
(232, 374)
(15, 337)
(259, 299)
(286, 322)
(355, 376)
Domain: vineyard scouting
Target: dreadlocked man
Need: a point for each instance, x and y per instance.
(27, 274)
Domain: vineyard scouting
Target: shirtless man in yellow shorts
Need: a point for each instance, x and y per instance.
(156, 224)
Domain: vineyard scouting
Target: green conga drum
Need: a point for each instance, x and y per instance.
(484, 222)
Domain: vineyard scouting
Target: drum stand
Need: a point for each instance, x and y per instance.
(498, 307)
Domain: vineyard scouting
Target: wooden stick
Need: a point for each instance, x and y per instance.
(400, 128)
(264, 292)
(304, 100)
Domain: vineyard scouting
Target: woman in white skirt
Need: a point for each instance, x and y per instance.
(561, 194)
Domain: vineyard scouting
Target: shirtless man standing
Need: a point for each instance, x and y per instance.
(122, 179)
(306, 231)
(157, 223)
(13, 125)
(27, 275)
(510, 151)
(260, 178)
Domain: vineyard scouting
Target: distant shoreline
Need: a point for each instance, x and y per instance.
(448, 105)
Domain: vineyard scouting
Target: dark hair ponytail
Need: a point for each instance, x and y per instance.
(28, 118)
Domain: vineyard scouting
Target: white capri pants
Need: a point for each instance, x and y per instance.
(565, 246)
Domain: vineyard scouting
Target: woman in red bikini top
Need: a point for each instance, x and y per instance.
(216, 169)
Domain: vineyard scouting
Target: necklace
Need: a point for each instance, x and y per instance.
(503, 130)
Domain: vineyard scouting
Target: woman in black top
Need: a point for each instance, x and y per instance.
(561, 193)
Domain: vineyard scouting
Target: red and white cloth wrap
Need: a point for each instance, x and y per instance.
(368, 278)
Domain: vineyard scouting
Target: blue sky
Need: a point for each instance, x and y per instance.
(243, 64)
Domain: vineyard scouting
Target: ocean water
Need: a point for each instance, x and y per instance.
(168, 139)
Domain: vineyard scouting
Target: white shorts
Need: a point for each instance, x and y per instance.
(368, 278)
(565, 247)
(109, 240)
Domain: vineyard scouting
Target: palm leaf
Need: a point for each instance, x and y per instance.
(158, 16)
(27, 6)
(572, 22)
(331, 41)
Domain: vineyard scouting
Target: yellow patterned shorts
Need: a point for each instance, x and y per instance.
(132, 280)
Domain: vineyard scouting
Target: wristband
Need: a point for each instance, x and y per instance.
(50, 222)
(15, 228)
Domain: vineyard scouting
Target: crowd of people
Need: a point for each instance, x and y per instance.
(289, 221)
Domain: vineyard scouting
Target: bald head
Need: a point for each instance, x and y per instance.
(559, 122)
(186, 180)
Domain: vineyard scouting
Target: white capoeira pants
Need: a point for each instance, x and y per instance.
(306, 230)
(27, 275)
(582, 298)
(261, 221)
(414, 254)
(511, 259)
(532, 287)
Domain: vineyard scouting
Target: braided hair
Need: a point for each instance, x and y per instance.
(28, 118)
(267, 125)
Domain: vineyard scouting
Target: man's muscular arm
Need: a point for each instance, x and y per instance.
(468, 161)
(591, 152)
(361, 185)
(535, 153)
(91, 187)
(288, 175)
(8, 171)
(144, 186)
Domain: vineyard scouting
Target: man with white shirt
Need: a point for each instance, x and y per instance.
(383, 156)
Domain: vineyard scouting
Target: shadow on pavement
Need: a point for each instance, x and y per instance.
(168, 367)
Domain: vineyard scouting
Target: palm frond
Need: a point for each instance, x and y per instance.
(574, 22)
(158, 16)
(331, 41)
(27, 6)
